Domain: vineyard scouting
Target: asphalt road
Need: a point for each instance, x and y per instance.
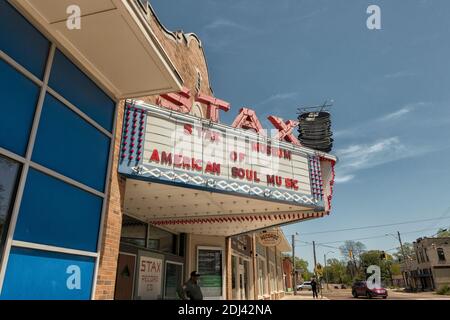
(345, 294)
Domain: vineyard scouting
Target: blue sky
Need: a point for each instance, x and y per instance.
(391, 89)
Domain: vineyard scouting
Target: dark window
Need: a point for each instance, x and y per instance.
(441, 254)
(134, 231)
(9, 173)
(161, 240)
(182, 244)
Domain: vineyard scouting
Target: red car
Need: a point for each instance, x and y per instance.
(360, 288)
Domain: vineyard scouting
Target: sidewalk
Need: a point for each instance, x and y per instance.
(302, 296)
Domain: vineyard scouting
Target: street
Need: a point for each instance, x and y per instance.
(345, 294)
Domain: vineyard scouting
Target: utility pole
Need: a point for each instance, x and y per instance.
(404, 258)
(294, 284)
(326, 270)
(315, 261)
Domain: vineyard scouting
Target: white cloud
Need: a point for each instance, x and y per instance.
(373, 125)
(399, 74)
(358, 157)
(396, 114)
(344, 178)
(224, 23)
(279, 96)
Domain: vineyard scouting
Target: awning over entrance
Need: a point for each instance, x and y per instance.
(189, 210)
(114, 44)
(191, 175)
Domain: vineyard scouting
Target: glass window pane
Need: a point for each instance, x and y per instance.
(174, 279)
(82, 92)
(133, 231)
(210, 269)
(71, 146)
(18, 99)
(41, 275)
(9, 173)
(55, 213)
(18, 37)
(161, 240)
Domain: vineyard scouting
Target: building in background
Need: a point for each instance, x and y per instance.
(430, 268)
(108, 197)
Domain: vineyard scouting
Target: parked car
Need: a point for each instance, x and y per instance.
(305, 285)
(360, 288)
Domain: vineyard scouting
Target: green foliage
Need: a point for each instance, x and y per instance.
(336, 271)
(409, 252)
(395, 269)
(373, 257)
(443, 233)
(445, 290)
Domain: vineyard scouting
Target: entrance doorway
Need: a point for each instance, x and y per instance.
(126, 266)
(240, 278)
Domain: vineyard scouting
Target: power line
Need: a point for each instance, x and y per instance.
(374, 237)
(375, 226)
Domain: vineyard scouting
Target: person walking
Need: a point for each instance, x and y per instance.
(191, 289)
(314, 288)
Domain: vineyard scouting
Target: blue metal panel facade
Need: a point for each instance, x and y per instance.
(51, 249)
(48, 275)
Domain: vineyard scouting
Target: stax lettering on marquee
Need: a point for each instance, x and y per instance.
(246, 119)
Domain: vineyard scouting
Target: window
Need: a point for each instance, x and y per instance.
(174, 279)
(65, 143)
(161, 240)
(234, 262)
(9, 173)
(262, 276)
(19, 97)
(133, 231)
(56, 213)
(209, 265)
(441, 254)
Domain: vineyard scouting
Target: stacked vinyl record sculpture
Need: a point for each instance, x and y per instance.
(315, 130)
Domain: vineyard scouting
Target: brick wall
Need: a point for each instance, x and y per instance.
(187, 54)
(112, 225)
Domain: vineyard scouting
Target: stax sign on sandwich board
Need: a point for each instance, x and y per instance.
(269, 238)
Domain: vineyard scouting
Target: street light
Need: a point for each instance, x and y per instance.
(326, 270)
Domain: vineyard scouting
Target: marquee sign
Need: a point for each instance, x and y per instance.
(166, 146)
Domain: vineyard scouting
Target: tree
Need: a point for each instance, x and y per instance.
(301, 264)
(378, 258)
(408, 248)
(351, 250)
(336, 271)
(443, 233)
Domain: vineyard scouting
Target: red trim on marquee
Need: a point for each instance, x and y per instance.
(179, 101)
(247, 119)
(285, 129)
(213, 106)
